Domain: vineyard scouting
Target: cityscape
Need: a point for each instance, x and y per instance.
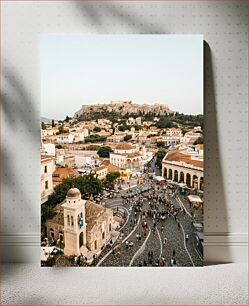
(122, 186)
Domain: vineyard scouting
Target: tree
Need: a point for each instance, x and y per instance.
(199, 140)
(97, 129)
(43, 126)
(87, 184)
(104, 151)
(124, 127)
(163, 123)
(159, 157)
(111, 177)
(95, 138)
(60, 130)
(53, 125)
(127, 137)
(160, 144)
(67, 119)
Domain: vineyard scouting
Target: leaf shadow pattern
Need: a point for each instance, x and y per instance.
(20, 118)
(112, 12)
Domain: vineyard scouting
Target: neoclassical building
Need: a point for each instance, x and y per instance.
(126, 156)
(185, 166)
(83, 225)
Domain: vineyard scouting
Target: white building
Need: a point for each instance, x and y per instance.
(174, 132)
(65, 138)
(101, 171)
(185, 166)
(126, 156)
(47, 169)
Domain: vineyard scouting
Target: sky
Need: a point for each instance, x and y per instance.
(92, 69)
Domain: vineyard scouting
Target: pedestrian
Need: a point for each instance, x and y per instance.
(145, 263)
(162, 228)
(174, 253)
(165, 240)
(75, 260)
(127, 244)
(178, 224)
(186, 237)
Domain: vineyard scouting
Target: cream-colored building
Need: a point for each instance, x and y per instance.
(47, 169)
(101, 172)
(126, 156)
(185, 166)
(83, 226)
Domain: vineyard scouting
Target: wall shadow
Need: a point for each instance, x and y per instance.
(214, 194)
(94, 14)
(19, 117)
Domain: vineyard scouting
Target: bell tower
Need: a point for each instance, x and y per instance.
(74, 223)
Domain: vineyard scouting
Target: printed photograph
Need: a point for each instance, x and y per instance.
(122, 150)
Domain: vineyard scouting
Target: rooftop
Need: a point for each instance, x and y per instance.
(124, 146)
(176, 156)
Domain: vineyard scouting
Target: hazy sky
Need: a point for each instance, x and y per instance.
(91, 69)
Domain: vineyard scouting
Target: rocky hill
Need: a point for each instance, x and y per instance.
(123, 108)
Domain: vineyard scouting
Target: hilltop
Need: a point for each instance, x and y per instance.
(121, 109)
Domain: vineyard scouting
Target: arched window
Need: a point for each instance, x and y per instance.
(71, 220)
(188, 180)
(170, 174)
(81, 240)
(195, 181)
(68, 220)
(51, 231)
(176, 176)
(181, 177)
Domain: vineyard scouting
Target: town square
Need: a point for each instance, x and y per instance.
(130, 198)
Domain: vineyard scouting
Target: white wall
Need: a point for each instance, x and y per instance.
(224, 26)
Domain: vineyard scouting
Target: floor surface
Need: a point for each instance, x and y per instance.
(29, 284)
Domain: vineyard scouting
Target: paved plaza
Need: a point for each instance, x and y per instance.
(157, 229)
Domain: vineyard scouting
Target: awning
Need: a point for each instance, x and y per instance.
(195, 199)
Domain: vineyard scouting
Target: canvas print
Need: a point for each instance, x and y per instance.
(122, 150)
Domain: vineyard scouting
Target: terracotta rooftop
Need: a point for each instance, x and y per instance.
(124, 146)
(112, 168)
(180, 157)
(93, 210)
(61, 173)
(102, 167)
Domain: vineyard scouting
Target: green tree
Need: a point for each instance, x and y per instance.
(67, 118)
(164, 122)
(159, 157)
(97, 129)
(160, 144)
(199, 140)
(95, 138)
(124, 127)
(53, 125)
(92, 148)
(104, 151)
(87, 184)
(43, 126)
(111, 177)
(127, 137)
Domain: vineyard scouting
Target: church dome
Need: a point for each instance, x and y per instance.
(73, 192)
(124, 146)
